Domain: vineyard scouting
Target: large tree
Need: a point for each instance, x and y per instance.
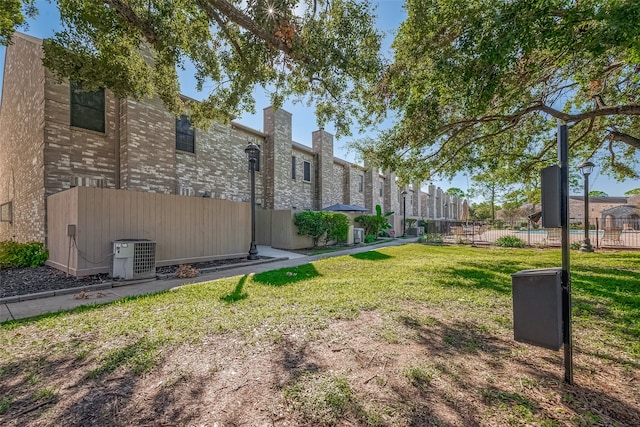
(325, 51)
(483, 83)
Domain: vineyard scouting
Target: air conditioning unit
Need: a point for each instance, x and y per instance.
(133, 259)
(358, 235)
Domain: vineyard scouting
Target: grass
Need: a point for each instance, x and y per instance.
(468, 290)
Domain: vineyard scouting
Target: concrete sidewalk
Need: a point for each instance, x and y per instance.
(34, 305)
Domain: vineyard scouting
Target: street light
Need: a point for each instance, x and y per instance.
(404, 212)
(586, 168)
(253, 151)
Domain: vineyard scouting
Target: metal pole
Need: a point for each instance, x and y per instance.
(404, 215)
(586, 245)
(563, 154)
(253, 250)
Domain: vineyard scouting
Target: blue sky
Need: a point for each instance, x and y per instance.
(390, 14)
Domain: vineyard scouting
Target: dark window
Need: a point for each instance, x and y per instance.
(87, 108)
(380, 191)
(185, 135)
(307, 171)
(360, 183)
(293, 167)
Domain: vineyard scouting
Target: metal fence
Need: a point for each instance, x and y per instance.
(610, 233)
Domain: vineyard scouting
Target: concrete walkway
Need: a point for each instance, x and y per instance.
(34, 305)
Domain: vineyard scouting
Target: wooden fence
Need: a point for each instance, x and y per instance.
(185, 229)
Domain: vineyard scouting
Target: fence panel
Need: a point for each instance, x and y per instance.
(186, 229)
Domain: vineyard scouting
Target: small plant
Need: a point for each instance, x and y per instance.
(45, 394)
(575, 245)
(5, 403)
(510, 242)
(370, 238)
(419, 376)
(15, 255)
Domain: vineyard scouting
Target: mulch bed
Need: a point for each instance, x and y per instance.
(30, 280)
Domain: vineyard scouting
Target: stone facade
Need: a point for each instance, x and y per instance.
(42, 154)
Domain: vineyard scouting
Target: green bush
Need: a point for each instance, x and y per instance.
(575, 245)
(333, 226)
(370, 238)
(510, 242)
(14, 254)
(374, 224)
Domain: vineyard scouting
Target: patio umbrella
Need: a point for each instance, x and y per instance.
(339, 207)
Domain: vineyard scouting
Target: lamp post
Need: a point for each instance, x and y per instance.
(253, 151)
(586, 168)
(404, 213)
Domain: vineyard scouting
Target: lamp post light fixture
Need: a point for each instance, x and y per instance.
(585, 169)
(253, 151)
(404, 213)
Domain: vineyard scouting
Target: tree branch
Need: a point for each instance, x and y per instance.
(129, 15)
(623, 137)
(240, 18)
(211, 12)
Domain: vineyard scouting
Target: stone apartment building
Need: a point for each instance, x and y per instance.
(55, 136)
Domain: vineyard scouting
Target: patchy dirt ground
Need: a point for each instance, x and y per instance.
(426, 368)
(23, 281)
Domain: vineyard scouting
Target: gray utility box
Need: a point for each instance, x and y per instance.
(537, 307)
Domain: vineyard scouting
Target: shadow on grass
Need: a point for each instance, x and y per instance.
(371, 256)
(93, 398)
(286, 276)
(237, 294)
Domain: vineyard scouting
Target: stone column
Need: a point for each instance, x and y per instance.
(323, 147)
(277, 159)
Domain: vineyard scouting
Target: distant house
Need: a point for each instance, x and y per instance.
(597, 205)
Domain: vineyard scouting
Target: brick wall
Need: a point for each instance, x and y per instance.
(302, 193)
(21, 138)
(74, 152)
(357, 194)
(323, 148)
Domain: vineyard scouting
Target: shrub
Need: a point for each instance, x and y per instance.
(575, 245)
(370, 238)
(433, 238)
(14, 254)
(510, 242)
(374, 224)
(337, 226)
(333, 226)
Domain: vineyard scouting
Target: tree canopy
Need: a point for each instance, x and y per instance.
(322, 51)
(482, 84)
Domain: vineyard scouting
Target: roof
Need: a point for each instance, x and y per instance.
(621, 211)
(620, 200)
(339, 207)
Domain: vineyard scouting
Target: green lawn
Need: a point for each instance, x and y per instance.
(416, 290)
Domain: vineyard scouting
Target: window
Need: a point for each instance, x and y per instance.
(381, 191)
(85, 181)
(185, 135)
(360, 183)
(307, 171)
(87, 108)
(6, 212)
(293, 167)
